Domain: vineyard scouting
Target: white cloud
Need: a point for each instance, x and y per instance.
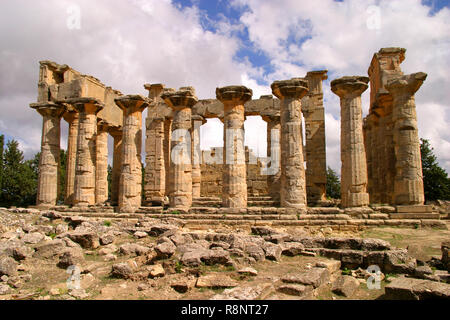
(129, 43)
(340, 37)
(123, 43)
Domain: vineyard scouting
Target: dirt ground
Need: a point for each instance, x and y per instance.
(48, 282)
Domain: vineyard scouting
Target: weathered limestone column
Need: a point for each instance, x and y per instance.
(293, 184)
(116, 133)
(101, 169)
(167, 148)
(155, 173)
(86, 150)
(314, 113)
(47, 192)
(180, 174)
(353, 155)
(130, 186)
(72, 119)
(274, 150)
(196, 157)
(234, 181)
(408, 184)
(385, 65)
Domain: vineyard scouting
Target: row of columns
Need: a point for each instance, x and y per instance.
(174, 168)
(87, 158)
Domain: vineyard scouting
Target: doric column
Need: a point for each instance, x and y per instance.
(155, 172)
(353, 155)
(71, 116)
(130, 187)
(86, 150)
(101, 169)
(196, 157)
(314, 113)
(48, 181)
(116, 133)
(274, 153)
(180, 174)
(167, 148)
(234, 181)
(293, 185)
(408, 184)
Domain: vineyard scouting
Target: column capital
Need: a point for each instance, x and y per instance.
(102, 126)
(271, 118)
(234, 94)
(154, 89)
(133, 102)
(294, 88)
(88, 105)
(183, 98)
(407, 84)
(49, 109)
(349, 86)
(115, 131)
(70, 115)
(320, 74)
(197, 117)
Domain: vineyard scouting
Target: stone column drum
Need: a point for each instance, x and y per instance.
(116, 133)
(408, 183)
(101, 170)
(47, 191)
(353, 155)
(293, 184)
(234, 181)
(273, 152)
(155, 173)
(196, 152)
(180, 174)
(315, 146)
(130, 186)
(86, 150)
(71, 116)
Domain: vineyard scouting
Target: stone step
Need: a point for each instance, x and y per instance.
(263, 203)
(205, 203)
(259, 198)
(211, 220)
(207, 199)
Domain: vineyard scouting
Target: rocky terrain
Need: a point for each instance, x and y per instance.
(45, 255)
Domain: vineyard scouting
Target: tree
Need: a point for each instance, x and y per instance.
(2, 142)
(62, 175)
(333, 186)
(19, 181)
(109, 182)
(436, 182)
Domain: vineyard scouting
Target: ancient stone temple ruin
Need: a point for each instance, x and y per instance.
(381, 167)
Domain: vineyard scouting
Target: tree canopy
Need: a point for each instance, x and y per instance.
(436, 182)
(333, 186)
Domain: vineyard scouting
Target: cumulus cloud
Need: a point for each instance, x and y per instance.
(129, 43)
(343, 36)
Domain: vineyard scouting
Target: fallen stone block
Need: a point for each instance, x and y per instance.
(416, 289)
(345, 286)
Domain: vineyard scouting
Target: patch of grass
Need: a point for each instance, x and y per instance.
(230, 268)
(178, 267)
(218, 290)
(107, 223)
(52, 235)
(389, 276)
(175, 212)
(416, 226)
(346, 272)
